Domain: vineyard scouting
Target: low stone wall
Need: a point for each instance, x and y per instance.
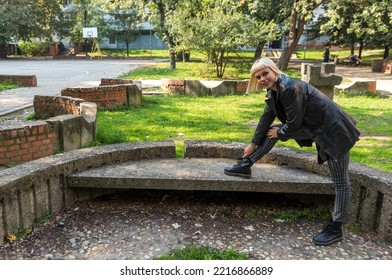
(32, 190)
(66, 124)
(107, 97)
(116, 81)
(21, 80)
(371, 201)
(40, 187)
(197, 88)
(358, 87)
(51, 106)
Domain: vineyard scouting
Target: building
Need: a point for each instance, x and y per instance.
(146, 40)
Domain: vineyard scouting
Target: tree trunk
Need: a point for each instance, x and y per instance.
(297, 24)
(360, 49)
(218, 64)
(352, 47)
(259, 50)
(386, 52)
(172, 59)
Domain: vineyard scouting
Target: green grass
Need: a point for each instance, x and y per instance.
(203, 253)
(7, 86)
(317, 55)
(233, 118)
(189, 70)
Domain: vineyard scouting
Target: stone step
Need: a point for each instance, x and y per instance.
(200, 174)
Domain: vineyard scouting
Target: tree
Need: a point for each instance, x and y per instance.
(28, 19)
(125, 20)
(361, 21)
(157, 12)
(301, 13)
(215, 28)
(86, 13)
(264, 12)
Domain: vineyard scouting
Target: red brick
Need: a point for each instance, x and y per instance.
(14, 148)
(16, 159)
(36, 143)
(23, 152)
(11, 154)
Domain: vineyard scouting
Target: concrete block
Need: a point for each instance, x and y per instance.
(224, 88)
(378, 65)
(2, 221)
(55, 193)
(41, 190)
(385, 222)
(196, 88)
(26, 198)
(134, 95)
(357, 87)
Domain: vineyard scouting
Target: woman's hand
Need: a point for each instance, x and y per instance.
(273, 132)
(249, 150)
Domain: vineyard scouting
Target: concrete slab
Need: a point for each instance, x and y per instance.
(200, 174)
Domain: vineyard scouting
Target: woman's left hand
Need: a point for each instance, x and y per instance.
(273, 132)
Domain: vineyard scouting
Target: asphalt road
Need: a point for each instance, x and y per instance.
(54, 75)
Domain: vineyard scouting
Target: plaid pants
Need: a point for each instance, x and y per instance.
(338, 169)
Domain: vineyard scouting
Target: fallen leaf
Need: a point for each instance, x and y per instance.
(11, 237)
(250, 228)
(176, 225)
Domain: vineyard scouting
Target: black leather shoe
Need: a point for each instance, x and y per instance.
(332, 233)
(241, 169)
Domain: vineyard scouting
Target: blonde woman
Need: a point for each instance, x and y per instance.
(307, 116)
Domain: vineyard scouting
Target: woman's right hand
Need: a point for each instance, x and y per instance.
(249, 150)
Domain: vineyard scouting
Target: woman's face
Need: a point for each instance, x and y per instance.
(266, 78)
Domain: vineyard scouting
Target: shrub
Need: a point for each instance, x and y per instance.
(34, 48)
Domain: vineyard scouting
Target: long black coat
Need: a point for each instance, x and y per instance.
(300, 106)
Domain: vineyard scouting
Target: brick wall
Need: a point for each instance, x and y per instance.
(111, 82)
(173, 86)
(388, 67)
(50, 106)
(241, 86)
(104, 96)
(23, 142)
(22, 80)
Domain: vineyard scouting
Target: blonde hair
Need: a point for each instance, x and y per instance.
(259, 65)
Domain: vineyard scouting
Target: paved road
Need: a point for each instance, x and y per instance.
(54, 75)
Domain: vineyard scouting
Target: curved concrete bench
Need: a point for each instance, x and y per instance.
(44, 186)
(34, 189)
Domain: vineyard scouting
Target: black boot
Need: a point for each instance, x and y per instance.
(332, 233)
(241, 169)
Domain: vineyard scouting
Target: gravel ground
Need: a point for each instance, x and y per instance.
(142, 225)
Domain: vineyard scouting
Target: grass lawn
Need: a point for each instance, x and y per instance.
(6, 86)
(233, 117)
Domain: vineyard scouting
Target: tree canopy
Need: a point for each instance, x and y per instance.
(215, 27)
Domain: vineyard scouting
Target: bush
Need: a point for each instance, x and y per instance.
(34, 48)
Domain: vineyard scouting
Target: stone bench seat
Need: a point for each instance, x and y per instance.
(200, 174)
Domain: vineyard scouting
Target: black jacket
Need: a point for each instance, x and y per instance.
(300, 106)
